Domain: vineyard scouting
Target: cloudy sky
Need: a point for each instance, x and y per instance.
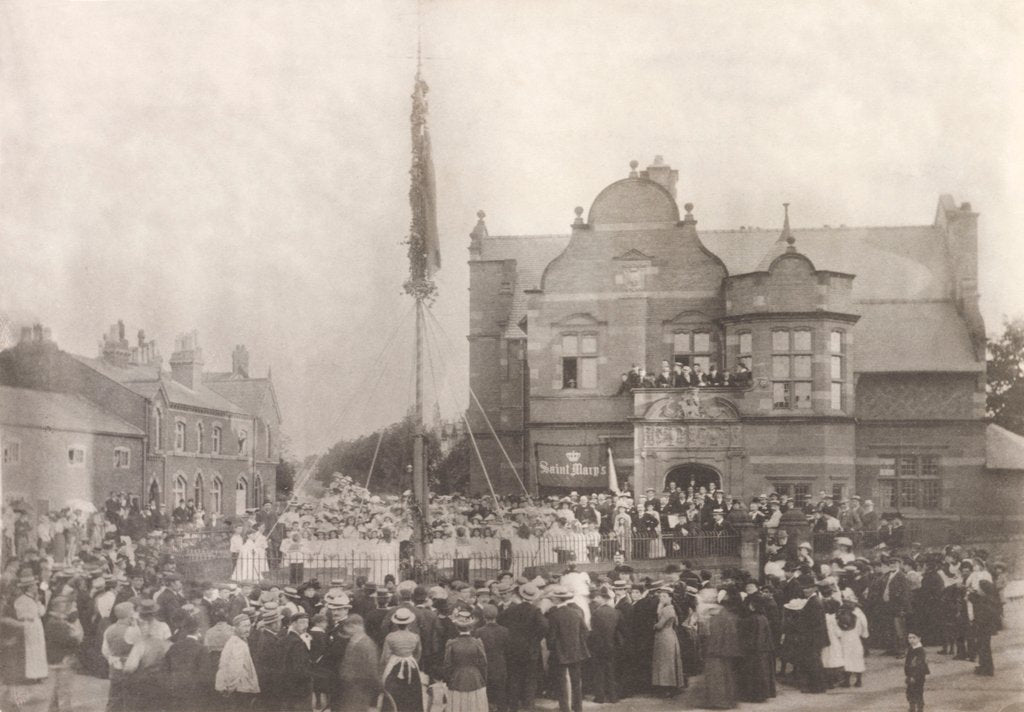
(241, 168)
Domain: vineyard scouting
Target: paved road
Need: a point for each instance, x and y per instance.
(951, 687)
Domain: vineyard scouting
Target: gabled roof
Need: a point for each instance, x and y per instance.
(250, 393)
(1004, 450)
(59, 411)
(532, 254)
(132, 377)
(893, 337)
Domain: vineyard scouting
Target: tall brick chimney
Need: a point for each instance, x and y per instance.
(240, 362)
(187, 361)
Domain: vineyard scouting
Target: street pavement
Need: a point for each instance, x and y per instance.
(951, 687)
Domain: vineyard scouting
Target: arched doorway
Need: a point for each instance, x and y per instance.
(693, 475)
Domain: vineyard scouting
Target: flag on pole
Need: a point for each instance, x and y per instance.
(613, 479)
(424, 246)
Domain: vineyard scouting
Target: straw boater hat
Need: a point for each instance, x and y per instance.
(560, 592)
(148, 607)
(805, 545)
(270, 613)
(529, 592)
(843, 541)
(239, 619)
(27, 579)
(403, 616)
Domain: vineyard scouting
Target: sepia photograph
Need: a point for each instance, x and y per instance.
(490, 356)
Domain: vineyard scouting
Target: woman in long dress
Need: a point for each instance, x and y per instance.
(465, 667)
(252, 559)
(400, 658)
(757, 669)
(28, 612)
(667, 665)
(721, 650)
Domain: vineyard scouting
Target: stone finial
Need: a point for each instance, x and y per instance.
(786, 234)
(578, 222)
(480, 230)
(481, 214)
(688, 218)
(689, 209)
(632, 168)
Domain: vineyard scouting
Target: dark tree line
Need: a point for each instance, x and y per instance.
(1005, 371)
(446, 472)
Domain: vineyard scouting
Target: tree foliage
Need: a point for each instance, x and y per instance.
(1006, 377)
(445, 472)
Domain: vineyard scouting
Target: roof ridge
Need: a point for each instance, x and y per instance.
(836, 228)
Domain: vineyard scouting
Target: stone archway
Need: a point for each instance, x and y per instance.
(693, 474)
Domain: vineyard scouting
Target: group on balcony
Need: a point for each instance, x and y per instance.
(681, 375)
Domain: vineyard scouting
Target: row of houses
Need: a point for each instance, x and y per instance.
(78, 428)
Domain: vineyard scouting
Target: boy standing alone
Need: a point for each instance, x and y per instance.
(915, 667)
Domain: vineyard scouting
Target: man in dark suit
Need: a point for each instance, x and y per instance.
(605, 642)
(188, 667)
(896, 603)
(295, 671)
(526, 627)
(266, 658)
(170, 598)
(641, 640)
(429, 625)
(132, 591)
(567, 644)
(495, 638)
(624, 658)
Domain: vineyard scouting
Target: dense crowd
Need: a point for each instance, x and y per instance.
(165, 643)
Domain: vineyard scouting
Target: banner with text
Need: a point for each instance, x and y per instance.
(572, 466)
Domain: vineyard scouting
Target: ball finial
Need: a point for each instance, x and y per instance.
(688, 208)
(481, 214)
(579, 211)
(633, 164)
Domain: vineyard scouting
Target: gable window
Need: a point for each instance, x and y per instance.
(158, 424)
(12, 452)
(122, 458)
(909, 482)
(791, 369)
(216, 439)
(692, 348)
(242, 437)
(76, 456)
(179, 435)
(579, 360)
(268, 442)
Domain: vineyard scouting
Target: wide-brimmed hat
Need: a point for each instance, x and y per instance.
(560, 592)
(529, 592)
(463, 618)
(123, 610)
(337, 599)
(843, 541)
(805, 545)
(27, 579)
(148, 607)
(290, 592)
(239, 619)
(403, 616)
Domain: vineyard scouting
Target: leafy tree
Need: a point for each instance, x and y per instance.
(446, 473)
(287, 466)
(1006, 377)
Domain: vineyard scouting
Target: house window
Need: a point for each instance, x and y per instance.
(216, 439)
(12, 452)
(692, 348)
(179, 435)
(242, 437)
(180, 489)
(268, 442)
(791, 369)
(217, 495)
(257, 492)
(199, 437)
(799, 492)
(122, 458)
(76, 456)
(909, 482)
(836, 369)
(746, 350)
(198, 493)
(158, 423)
(579, 361)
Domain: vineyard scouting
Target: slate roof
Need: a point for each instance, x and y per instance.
(250, 393)
(900, 287)
(135, 378)
(532, 254)
(1004, 450)
(59, 411)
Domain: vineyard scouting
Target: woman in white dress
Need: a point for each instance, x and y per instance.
(252, 559)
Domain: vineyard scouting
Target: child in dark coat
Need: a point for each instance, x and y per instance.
(915, 667)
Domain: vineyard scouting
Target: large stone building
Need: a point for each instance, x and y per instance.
(207, 437)
(866, 346)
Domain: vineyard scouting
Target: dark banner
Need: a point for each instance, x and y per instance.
(572, 465)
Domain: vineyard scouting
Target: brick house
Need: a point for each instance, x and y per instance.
(208, 437)
(866, 347)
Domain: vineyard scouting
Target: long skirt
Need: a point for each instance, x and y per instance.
(689, 650)
(667, 667)
(472, 701)
(757, 678)
(720, 690)
(408, 693)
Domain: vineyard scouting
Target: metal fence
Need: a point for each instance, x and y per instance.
(524, 557)
(929, 533)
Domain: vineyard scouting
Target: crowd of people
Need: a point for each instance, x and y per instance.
(167, 643)
(682, 375)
